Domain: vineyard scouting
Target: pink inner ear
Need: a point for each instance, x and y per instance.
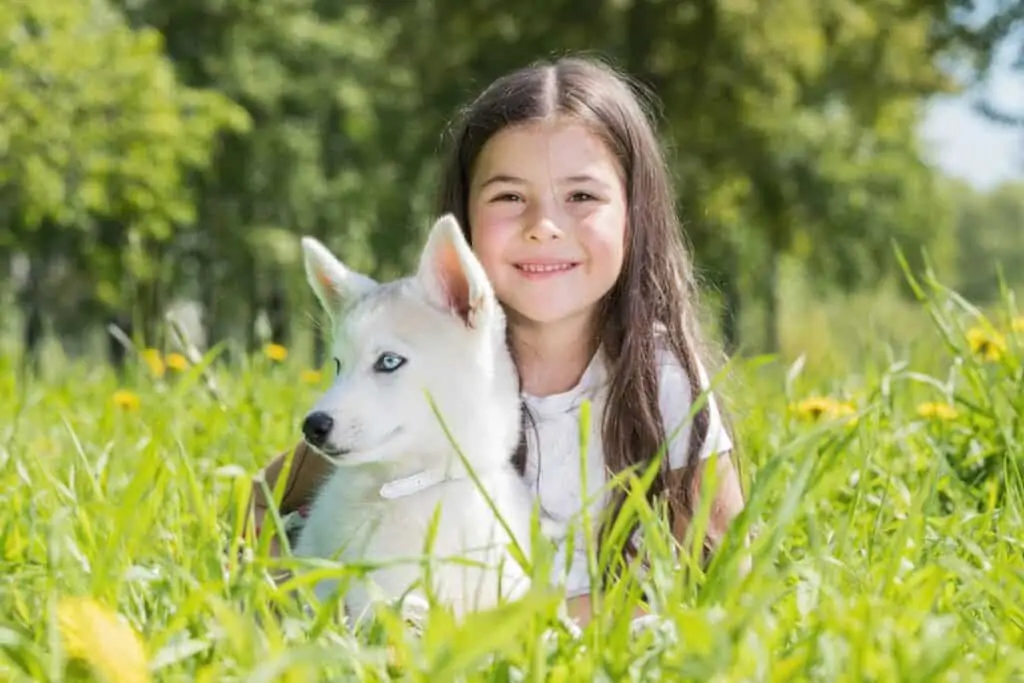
(325, 280)
(453, 280)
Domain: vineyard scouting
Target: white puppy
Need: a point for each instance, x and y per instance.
(440, 332)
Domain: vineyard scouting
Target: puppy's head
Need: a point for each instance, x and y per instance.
(440, 331)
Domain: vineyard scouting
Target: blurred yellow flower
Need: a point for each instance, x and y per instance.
(816, 407)
(176, 361)
(311, 376)
(990, 345)
(154, 360)
(1018, 324)
(275, 352)
(98, 637)
(936, 410)
(125, 399)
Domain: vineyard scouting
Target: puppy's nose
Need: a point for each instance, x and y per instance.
(316, 427)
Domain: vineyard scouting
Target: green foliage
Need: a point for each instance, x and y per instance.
(96, 124)
(155, 150)
(988, 231)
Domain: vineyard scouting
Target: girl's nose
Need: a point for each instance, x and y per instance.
(542, 228)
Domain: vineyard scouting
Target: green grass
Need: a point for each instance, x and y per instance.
(887, 547)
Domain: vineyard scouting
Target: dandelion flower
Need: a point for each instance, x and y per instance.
(153, 359)
(176, 361)
(125, 399)
(1018, 324)
(311, 376)
(990, 345)
(817, 407)
(275, 352)
(938, 411)
(98, 637)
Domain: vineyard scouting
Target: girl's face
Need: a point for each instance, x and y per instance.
(547, 216)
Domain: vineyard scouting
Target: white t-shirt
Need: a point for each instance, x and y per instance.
(554, 476)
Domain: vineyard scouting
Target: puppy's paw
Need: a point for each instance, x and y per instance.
(652, 623)
(414, 610)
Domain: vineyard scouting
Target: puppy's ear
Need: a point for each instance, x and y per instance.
(452, 276)
(332, 282)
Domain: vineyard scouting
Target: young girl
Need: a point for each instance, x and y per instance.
(557, 178)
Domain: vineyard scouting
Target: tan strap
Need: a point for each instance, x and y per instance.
(306, 473)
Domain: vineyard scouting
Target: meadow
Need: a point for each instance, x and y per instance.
(885, 507)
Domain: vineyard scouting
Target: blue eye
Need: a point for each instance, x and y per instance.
(388, 362)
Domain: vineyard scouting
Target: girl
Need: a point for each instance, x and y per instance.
(557, 177)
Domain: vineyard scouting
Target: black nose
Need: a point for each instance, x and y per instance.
(316, 427)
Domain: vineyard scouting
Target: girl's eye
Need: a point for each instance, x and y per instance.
(388, 362)
(581, 197)
(506, 197)
(337, 367)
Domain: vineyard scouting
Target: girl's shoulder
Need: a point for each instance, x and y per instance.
(677, 402)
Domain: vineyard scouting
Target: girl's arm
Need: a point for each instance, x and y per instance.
(726, 505)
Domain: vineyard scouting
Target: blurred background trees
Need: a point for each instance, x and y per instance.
(165, 155)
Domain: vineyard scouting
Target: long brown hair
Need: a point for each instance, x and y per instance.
(656, 286)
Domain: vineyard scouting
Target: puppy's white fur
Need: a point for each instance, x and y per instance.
(440, 331)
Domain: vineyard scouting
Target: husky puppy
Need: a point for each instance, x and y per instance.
(438, 333)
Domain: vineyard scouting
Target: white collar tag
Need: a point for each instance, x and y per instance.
(414, 483)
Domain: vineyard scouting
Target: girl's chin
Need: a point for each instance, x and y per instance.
(549, 313)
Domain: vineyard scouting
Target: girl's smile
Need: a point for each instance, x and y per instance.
(542, 269)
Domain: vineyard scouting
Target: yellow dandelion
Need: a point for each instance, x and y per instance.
(938, 411)
(990, 345)
(311, 376)
(817, 407)
(154, 360)
(176, 361)
(812, 408)
(102, 640)
(843, 409)
(1017, 324)
(125, 399)
(275, 352)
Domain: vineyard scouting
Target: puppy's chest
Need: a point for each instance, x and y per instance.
(358, 522)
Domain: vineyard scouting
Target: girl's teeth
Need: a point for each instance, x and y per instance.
(547, 268)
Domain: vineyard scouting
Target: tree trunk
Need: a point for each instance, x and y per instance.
(32, 315)
(771, 303)
(731, 307)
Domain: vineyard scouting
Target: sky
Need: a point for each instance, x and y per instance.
(967, 145)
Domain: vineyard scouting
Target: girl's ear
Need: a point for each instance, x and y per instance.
(332, 282)
(452, 276)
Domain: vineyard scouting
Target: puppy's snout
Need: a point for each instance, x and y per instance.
(316, 428)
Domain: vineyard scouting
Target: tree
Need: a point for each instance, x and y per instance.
(988, 231)
(99, 142)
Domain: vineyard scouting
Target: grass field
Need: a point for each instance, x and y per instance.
(886, 506)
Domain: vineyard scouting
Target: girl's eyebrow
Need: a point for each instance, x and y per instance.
(505, 178)
(583, 178)
(502, 178)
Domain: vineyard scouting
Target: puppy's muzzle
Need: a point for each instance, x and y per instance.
(317, 427)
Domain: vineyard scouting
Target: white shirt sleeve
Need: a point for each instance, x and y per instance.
(675, 402)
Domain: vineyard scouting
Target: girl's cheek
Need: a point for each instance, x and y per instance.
(499, 213)
(487, 242)
(494, 226)
(603, 226)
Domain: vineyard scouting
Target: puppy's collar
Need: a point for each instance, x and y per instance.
(412, 484)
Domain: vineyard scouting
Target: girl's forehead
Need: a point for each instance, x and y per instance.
(562, 149)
